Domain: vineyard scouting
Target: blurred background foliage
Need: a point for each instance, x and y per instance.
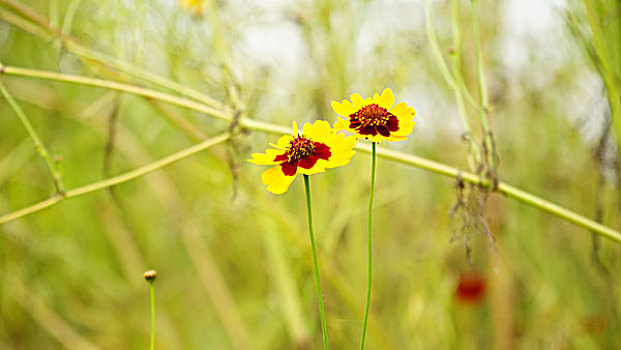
(234, 260)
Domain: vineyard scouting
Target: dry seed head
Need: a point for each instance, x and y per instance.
(150, 276)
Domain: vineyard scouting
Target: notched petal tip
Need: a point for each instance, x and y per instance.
(376, 98)
(357, 100)
(387, 99)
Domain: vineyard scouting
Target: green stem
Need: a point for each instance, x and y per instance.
(152, 346)
(369, 246)
(111, 85)
(435, 49)
(482, 87)
(27, 12)
(40, 147)
(456, 58)
(317, 280)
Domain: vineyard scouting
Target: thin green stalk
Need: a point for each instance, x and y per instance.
(24, 24)
(140, 91)
(435, 49)
(72, 9)
(482, 87)
(107, 84)
(26, 12)
(456, 58)
(605, 64)
(369, 247)
(40, 147)
(84, 52)
(117, 179)
(316, 265)
(152, 346)
(150, 277)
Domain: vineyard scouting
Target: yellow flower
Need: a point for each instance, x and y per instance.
(195, 7)
(318, 148)
(375, 119)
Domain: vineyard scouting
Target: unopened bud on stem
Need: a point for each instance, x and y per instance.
(150, 276)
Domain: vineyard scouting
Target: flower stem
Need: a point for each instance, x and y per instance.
(318, 282)
(152, 346)
(370, 247)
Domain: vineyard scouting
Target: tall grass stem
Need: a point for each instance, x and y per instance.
(369, 247)
(309, 211)
(40, 147)
(116, 179)
(152, 342)
(482, 87)
(456, 67)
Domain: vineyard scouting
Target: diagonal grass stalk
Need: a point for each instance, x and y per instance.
(369, 247)
(112, 85)
(136, 173)
(482, 87)
(40, 147)
(459, 99)
(456, 84)
(309, 211)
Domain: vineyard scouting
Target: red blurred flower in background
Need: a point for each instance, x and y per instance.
(471, 288)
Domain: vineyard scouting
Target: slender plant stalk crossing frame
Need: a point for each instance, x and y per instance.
(250, 124)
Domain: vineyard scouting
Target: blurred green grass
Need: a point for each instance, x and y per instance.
(233, 260)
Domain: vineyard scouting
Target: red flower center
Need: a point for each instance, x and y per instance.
(300, 147)
(302, 152)
(372, 120)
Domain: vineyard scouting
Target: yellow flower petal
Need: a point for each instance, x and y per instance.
(401, 110)
(319, 131)
(267, 158)
(276, 181)
(283, 142)
(345, 108)
(295, 130)
(339, 143)
(319, 167)
(357, 100)
(376, 98)
(405, 115)
(376, 138)
(394, 137)
(387, 99)
(342, 124)
(340, 160)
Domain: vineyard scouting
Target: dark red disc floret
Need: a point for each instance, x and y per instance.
(303, 153)
(372, 120)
